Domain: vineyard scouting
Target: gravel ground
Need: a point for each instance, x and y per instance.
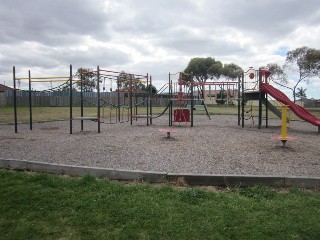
(216, 146)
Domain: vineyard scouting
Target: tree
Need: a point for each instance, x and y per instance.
(301, 93)
(278, 75)
(215, 70)
(231, 71)
(67, 88)
(88, 80)
(124, 79)
(199, 68)
(208, 68)
(153, 89)
(305, 61)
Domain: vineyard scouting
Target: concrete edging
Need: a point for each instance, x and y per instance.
(161, 177)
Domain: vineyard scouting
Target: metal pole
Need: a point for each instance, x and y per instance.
(81, 99)
(239, 77)
(30, 101)
(130, 99)
(260, 100)
(135, 98)
(123, 106)
(98, 91)
(266, 95)
(150, 99)
(284, 121)
(70, 98)
(222, 92)
(170, 101)
(242, 101)
(15, 101)
(192, 100)
(118, 101)
(267, 109)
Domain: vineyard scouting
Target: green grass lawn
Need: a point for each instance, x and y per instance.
(40, 114)
(41, 206)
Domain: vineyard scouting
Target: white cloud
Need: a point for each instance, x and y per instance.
(157, 36)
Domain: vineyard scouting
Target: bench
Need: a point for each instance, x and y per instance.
(168, 131)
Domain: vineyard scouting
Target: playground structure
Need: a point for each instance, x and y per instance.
(180, 95)
(125, 105)
(121, 105)
(183, 100)
(254, 85)
(60, 79)
(199, 157)
(222, 93)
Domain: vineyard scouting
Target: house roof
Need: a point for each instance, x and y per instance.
(5, 88)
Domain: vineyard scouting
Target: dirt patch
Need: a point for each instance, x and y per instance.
(11, 138)
(50, 128)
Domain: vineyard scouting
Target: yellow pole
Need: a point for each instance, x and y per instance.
(284, 122)
(67, 77)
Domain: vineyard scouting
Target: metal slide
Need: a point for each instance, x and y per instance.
(298, 110)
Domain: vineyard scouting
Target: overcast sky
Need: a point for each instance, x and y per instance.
(152, 36)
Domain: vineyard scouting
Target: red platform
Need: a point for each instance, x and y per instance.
(181, 115)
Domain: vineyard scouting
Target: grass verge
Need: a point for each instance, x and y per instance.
(41, 206)
(41, 114)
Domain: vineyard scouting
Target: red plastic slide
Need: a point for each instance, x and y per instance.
(298, 110)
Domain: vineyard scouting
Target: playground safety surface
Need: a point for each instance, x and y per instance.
(218, 146)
